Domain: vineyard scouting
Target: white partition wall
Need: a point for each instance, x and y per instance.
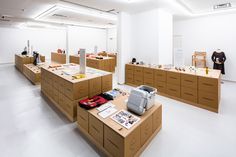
(208, 34)
(87, 38)
(13, 40)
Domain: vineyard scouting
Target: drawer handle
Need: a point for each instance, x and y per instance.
(209, 99)
(188, 81)
(173, 90)
(159, 74)
(173, 78)
(95, 129)
(207, 84)
(188, 94)
(113, 143)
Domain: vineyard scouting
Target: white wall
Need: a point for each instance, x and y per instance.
(208, 34)
(165, 37)
(124, 44)
(112, 39)
(152, 36)
(145, 36)
(88, 38)
(13, 40)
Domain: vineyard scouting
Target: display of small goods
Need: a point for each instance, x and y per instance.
(125, 118)
(179, 69)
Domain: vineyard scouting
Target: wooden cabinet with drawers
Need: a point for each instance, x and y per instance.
(59, 58)
(148, 76)
(106, 64)
(196, 88)
(115, 140)
(65, 91)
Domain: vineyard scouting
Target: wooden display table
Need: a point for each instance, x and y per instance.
(114, 139)
(32, 72)
(195, 88)
(58, 58)
(20, 60)
(65, 92)
(107, 54)
(106, 64)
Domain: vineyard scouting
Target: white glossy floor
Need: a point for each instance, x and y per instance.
(31, 127)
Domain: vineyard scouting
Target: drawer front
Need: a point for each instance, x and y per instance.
(173, 90)
(82, 118)
(148, 82)
(208, 99)
(157, 119)
(106, 83)
(173, 78)
(69, 107)
(95, 86)
(96, 129)
(160, 86)
(138, 71)
(81, 89)
(113, 142)
(146, 130)
(189, 94)
(68, 89)
(132, 142)
(148, 73)
(189, 81)
(138, 80)
(208, 84)
(129, 67)
(160, 75)
(129, 80)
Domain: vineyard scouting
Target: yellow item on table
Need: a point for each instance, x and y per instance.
(79, 76)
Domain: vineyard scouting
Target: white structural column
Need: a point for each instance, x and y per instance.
(165, 37)
(67, 44)
(123, 44)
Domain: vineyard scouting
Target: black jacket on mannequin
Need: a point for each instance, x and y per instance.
(219, 58)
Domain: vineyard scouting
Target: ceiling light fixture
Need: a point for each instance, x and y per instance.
(78, 10)
(218, 9)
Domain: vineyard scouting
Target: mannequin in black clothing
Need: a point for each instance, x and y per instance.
(218, 57)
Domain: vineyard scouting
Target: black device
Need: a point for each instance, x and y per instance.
(36, 57)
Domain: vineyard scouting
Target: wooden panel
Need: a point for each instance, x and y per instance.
(157, 119)
(160, 86)
(173, 78)
(189, 94)
(96, 129)
(146, 130)
(132, 143)
(160, 75)
(113, 142)
(208, 99)
(95, 86)
(138, 71)
(173, 90)
(189, 81)
(208, 84)
(82, 118)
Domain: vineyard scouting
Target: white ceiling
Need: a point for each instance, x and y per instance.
(201, 6)
(29, 9)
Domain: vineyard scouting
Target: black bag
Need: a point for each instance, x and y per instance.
(24, 53)
(133, 60)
